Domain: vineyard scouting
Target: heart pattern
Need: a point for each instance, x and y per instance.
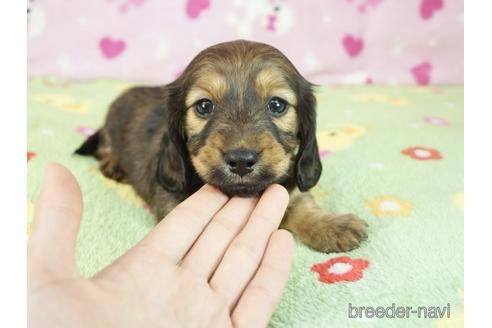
(111, 48)
(195, 7)
(421, 73)
(428, 7)
(341, 43)
(353, 46)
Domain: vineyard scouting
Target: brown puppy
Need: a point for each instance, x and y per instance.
(240, 117)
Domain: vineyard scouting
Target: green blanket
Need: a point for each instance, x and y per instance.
(392, 155)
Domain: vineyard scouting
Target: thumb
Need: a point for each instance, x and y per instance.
(56, 223)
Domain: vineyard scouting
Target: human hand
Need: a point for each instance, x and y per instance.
(212, 262)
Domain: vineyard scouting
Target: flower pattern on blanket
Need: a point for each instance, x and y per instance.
(459, 200)
(437, 121)
(30, 155)
(422, 153)
(389, 206)
(64, 102)
(380, 99)
(339, 269)
(397, 164)
(338, 137)
(85, 130)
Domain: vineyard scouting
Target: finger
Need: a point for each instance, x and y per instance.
(260, 298)
(243, 256)
(176, 233)
(56, 222)
(208, 250)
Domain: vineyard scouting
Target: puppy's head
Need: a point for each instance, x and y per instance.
(245, 118)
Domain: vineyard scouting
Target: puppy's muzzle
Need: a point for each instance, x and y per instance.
(241, 161)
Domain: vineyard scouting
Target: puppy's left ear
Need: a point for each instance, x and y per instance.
(308, 164)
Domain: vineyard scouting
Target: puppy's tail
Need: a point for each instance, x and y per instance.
(90, 146)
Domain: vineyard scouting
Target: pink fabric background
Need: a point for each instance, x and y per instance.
(342, 41)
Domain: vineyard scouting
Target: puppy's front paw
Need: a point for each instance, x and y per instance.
(335, 233)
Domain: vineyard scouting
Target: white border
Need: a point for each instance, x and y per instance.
(13, 188)
(478, 163)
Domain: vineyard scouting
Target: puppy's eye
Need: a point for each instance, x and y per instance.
(277, 106)
(204, 107)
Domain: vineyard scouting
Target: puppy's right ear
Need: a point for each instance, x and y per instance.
(172, 170)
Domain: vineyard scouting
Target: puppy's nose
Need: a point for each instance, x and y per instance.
(241, 161)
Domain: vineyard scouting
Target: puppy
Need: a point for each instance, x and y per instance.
(240, 118)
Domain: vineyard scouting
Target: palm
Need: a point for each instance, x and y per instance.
(216, 265)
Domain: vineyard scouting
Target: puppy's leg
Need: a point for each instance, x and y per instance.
(321, 230)
(163, 202)
(109, 161)
(109, 167)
